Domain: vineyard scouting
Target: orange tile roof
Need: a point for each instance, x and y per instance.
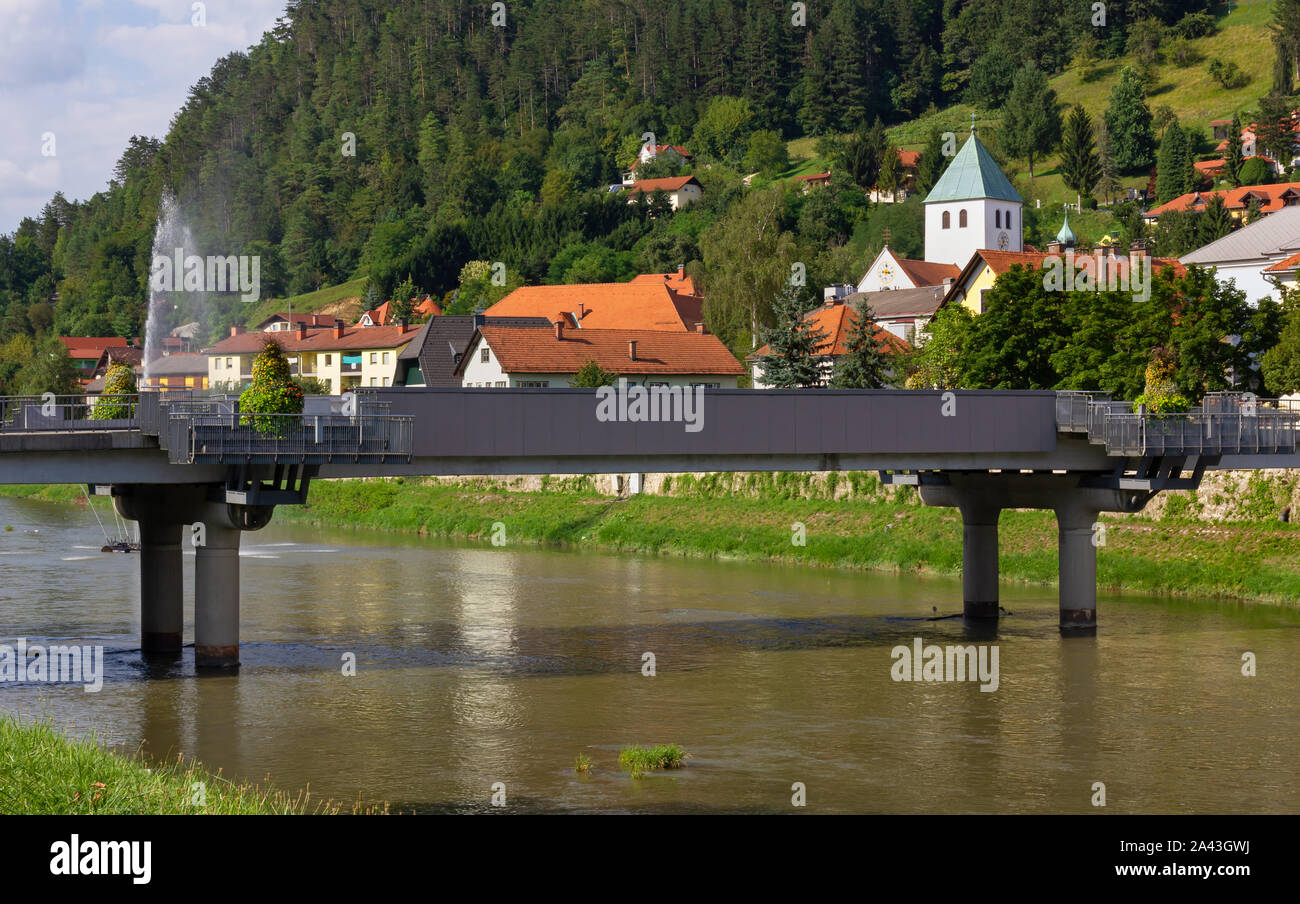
(354, 337)
(1002, 261)
(295, 319)
(1271, 198)
(909, 158)
(646, 305)
(90, 346)
(426, 308)
(814, 177)
(835, 321)
(927, 273)
(679, 282)
(1285, 266)
(537, 350)
(671, 183)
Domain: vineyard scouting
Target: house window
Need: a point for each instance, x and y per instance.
(484, 355)
(228, 364)
(373, 381)
(386, 354)
(328, 359)
(947, 219)
(374, 358)
(501, 384)
(533, 384)
(218, 363)
(385, 381)
(961, 219)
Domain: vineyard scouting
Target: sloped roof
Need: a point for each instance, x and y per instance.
(295, 319)
(835, 321)
(679, 282)
(671, 183)
(973, 174)
(317, 340)
(179, 365)
(647, 305)
(537, 350)
(91, 346)
(927, 273)
(380, 316)
(1260, 240)
(442, 341)
(919, 302)
(1270, 196)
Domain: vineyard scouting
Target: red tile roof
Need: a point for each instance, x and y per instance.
(671, 183)
(679, 282)
(91, 346)
(909, 159)
(537, 350)
(835, 321)
(927, 273)
(1285, 266)
(426, 308)
(295, 319)
(1271, 198)
(1002, 261)
(354, 337)
(814, 177)
(645, 305)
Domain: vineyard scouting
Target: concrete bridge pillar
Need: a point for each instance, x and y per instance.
(216, 597)
(979, 558)
(162, 590)
(1077, 564)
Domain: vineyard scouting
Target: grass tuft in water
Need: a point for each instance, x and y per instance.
(582, 763)
(639, 760)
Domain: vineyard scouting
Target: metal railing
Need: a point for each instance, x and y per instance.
(68, 412)
(1073, 409)
(1200, 432)
(281, 438)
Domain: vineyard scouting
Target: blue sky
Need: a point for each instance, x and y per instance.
(94, 73)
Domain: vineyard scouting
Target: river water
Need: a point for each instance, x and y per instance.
(479, 665)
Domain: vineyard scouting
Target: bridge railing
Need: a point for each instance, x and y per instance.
(1074, 409)
(288, 438)
(1202, 433)
(65, 413)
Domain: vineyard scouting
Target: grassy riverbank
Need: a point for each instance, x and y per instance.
(43, 772)
(849, 521)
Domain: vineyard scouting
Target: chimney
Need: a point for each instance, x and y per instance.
(401, 326)
(701, 328)
(631, 349)
(1138, 249)
(301, 330)
(559, 330)
(236, 330)
(338, 328)
(1055, 247)
(949, 280)
(582, 310)
(681, 271)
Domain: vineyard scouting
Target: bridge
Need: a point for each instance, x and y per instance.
(176, 459)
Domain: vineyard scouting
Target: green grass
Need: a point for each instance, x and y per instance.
(43, 772)
(640, 760)
(751, 517)
(582, 763)
(306, 303)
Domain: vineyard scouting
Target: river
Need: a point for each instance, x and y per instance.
(478, 665)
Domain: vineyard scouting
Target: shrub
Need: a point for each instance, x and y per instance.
(639, 760)
(119, 383)
(272, 391)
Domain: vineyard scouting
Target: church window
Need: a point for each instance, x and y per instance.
(997, 218)
(947, 219)
(961, 219)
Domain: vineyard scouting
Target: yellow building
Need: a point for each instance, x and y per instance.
(343, 358)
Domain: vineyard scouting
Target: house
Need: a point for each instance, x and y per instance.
(981, 272)
(287, 321)
(889, 271)
(1271, 198)
(835, 321)
(681, 190)
(671, 152)
(549, 356)
(636, 305)
(904, 312)
(182, 370)
(908, 162)
(382, 315)
(129, 355)
(678, 282)
(972, 206)
(431, 357)
(1255, 256)
(814, 180)
(343, 357)
(86, 351)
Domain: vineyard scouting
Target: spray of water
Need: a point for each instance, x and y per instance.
(168, 310)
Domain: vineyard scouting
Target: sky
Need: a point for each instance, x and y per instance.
(92, 73)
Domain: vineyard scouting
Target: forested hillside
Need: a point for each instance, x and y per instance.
(483, 142)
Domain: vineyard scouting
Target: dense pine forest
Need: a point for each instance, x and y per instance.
(404, 140)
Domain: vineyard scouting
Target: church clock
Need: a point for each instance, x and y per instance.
(1003, 241)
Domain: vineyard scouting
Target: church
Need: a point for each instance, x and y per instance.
(971, 208)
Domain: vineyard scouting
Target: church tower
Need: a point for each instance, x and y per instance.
(972, 207)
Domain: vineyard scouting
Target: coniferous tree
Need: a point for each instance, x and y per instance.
(1031, 122)
(1128, 122)
(1215, 221)
(865, 366)
(1234, 158)
(932, 163)
(1080, 165)
(792, 361)
(1175, 174)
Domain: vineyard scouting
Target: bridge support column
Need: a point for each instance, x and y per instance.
(979, 558)
(216, 597)
(1077, 564)
(162, 593)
